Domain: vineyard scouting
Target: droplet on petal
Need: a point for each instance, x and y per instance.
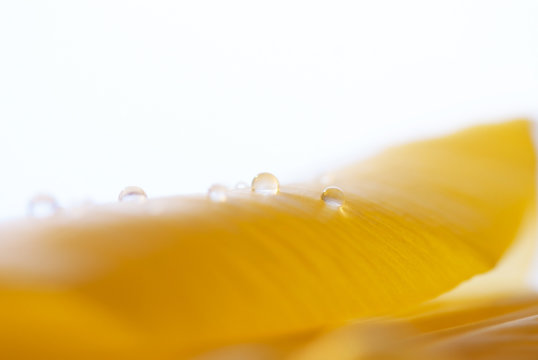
(132, 194)
(42, 205)
(265, 183)
(333, 196)
(241, 185)
(217, 193)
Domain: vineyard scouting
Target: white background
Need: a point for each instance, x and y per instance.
(174, 96)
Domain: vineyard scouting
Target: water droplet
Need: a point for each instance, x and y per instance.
(217, 193)
(132, 194)
(333, 196)
(265, 183)
(241, 185)
(42, 205)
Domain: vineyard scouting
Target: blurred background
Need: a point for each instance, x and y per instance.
(174, 96)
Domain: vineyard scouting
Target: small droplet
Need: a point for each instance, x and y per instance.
(265, 183)
(132, 194)
(217, 193)
(333, 196)
(241, 185)
(42, 205)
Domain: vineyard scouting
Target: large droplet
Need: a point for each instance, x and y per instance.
(132, 194)
(42, 205)
(217, 193)
(333, 196)
(265, 183)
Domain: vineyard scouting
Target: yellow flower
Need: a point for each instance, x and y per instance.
(287, 275)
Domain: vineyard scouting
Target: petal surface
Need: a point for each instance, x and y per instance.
(497, 328)
(177, 276)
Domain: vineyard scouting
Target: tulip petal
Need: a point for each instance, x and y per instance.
(495, 328)
(177, 276)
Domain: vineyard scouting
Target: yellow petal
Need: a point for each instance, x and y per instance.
(510, 276)
(502, 328)
(496, 328)
(176, 276)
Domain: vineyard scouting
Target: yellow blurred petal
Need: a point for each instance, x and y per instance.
(496, 328)
(177, 276)
(510, 276)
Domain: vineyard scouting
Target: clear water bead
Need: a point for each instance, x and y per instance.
(241, 185)
(265, 183)
(333, 196)
(42, 205)
(132, 194)
(217, 193)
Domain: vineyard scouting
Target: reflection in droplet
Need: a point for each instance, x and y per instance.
(333, 196)
(132, 194)
(217, 193)
(42, 205)
(265, 183)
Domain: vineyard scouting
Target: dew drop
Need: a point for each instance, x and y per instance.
(241, 185)
(217, 193)
(333, 196)
(132, 194)
(265, 183)
(42, 205)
